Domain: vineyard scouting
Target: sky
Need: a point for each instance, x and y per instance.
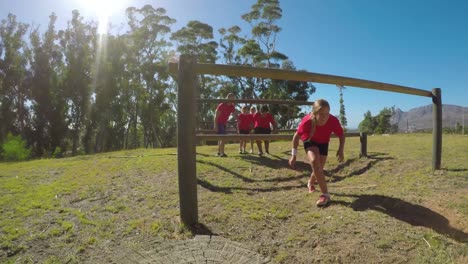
(414, 43)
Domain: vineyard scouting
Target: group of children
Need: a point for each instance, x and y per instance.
(314, 131)
(257, 122)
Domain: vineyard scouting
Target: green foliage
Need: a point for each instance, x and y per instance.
(379, 124)
(14, 149)
(342, 117)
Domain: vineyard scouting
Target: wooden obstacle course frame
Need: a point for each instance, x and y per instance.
(186, 71)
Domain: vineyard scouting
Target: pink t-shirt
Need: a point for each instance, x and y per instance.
(244, 121)
(225, 110)
(263, 121)
(322, 133)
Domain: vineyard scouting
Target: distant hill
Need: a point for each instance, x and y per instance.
(421, 117)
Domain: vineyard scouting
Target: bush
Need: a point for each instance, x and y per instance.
(57, 153)
(14, 149)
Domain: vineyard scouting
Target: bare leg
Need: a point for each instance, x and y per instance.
(221, 146)
(267, 146)
(313, 178)
(259, 145)
(315, 160)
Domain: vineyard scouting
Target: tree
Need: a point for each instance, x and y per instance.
(77, 43)
(196, 39)
(343, 120)
(259, 50)
(46, 96)
(13, 91)
(149, 37)
(368, 124)
(379, 124)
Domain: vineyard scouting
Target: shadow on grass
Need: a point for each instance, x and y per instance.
(228, 190)
(201, 229)
(245, 179)
(456, 169)
(413, 214)
(374, 159)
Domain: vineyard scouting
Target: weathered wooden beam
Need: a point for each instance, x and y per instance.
(255, 136)
(186, 143)
(278, 74)
(436, 128)
(256, 101)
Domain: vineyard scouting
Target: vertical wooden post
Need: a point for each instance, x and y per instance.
(436, 128)
(363, 139)
(186, 148)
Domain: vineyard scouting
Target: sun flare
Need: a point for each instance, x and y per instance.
(103, 9)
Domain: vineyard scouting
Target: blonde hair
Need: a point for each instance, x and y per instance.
(319, 104)
(316, 107)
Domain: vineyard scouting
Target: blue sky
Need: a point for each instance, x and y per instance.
(415, 43)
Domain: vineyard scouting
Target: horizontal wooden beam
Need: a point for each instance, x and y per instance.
(278, 74)
(211, 131)
(254, 136)
(255, 101)
(244, 136)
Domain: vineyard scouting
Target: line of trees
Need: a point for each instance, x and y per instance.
(76, 91)
(379, 124)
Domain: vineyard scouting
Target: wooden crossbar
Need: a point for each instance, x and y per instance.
(255, 101)
(211, 131)
(279, 74)
(255, 136)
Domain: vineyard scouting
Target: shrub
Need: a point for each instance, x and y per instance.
(57, 153)
(14, 149)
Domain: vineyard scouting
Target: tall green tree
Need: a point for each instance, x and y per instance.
(111, 81)
(149, 36)
(379, 124)
(342, 117)
(47, 101)
(196, 38)
(288, 116)
(13, 91)
(78, 44)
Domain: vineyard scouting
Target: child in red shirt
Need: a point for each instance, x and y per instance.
(223, 111)
(315, 131)
(263, 120)
(253, 110)
(244, 124)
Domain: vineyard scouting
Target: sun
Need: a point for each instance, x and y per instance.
(102, 9)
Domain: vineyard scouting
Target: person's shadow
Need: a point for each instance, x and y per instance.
(412, 214)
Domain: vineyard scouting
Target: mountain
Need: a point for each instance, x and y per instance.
(421, 117)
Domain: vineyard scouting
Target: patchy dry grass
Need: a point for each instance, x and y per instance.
(387, 208)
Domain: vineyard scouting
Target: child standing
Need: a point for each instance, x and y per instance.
(264, 122)
(244, 124)
(315, 131)
(253, 110)
(223, 111)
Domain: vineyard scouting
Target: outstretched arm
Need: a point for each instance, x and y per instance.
(295, 143)
(340, 152)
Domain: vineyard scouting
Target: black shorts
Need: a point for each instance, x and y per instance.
(261, 130)
(244, 131)
(323, 147)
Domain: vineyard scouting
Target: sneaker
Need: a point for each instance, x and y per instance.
(218, 154)
(241, 152)
(323, 200)
(251, 151)
(223, 155)
(260, 153)
(267, 152)
(311, 187)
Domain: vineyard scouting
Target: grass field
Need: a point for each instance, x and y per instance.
(387, 208)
